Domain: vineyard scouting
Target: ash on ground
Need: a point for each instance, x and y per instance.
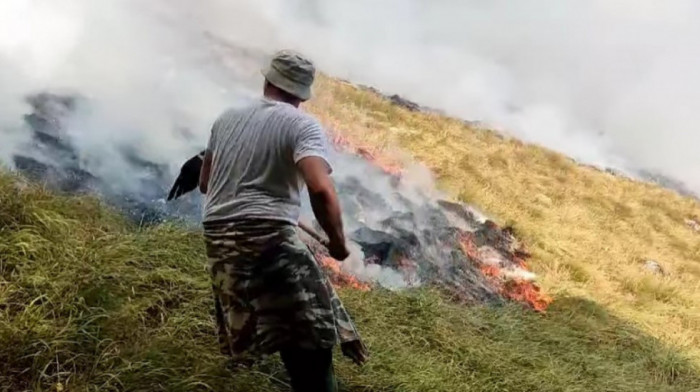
(54, 159)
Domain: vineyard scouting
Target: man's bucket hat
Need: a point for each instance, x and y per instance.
(291, 72)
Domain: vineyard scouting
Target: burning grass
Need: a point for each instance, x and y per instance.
(499, 257)
(89, 302)
(338, 277)
(386, 162)
(510, 285)
(589, 231)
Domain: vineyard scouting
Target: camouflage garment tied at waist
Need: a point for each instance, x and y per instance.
(271, 292)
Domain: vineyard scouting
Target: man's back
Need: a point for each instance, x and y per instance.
(254, 154)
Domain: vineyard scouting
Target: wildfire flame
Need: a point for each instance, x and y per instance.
(338, 277)
(512, 288)
(527, 292)
(515, 289)
(387, 165)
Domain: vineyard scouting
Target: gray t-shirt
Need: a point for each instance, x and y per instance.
(255, 150)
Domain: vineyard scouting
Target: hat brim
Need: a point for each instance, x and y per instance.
(284, 83)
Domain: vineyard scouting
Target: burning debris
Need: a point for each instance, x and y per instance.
(389, 166)
(432, 240)
(338, 277)
(402, 236)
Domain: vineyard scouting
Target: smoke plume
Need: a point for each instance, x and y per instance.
(608, 82)
(612, 83)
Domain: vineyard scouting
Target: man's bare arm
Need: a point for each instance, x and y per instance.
(205, 172)
(324, 202)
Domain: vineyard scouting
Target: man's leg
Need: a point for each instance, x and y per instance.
(310, 370)
(222, 331)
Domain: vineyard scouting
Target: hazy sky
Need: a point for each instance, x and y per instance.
(611, 82)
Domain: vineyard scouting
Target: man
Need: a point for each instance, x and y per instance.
(272, 293)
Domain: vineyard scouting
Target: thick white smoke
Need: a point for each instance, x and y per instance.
(607, 81)
(149, 86)
(611, 82)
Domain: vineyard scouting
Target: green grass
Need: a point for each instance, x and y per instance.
(90, 303)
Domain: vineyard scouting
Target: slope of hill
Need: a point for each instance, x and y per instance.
(90, 302)
(591, 232)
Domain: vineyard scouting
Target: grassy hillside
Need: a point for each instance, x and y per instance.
(590, 232)
(89, 302)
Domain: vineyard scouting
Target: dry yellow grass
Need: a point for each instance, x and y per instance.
(590, 232)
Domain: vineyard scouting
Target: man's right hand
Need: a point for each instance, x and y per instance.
(338, 250)
(325, 204)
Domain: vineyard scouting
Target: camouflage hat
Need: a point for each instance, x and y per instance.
(292, 73)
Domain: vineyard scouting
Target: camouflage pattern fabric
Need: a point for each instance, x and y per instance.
(271, 291)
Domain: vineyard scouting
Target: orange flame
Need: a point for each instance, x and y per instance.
(339, 278)
(527, 292)
(469, 247)
(387, 165)
(514, 289)
(491, 271)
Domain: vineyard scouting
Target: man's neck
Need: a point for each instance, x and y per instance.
(277, 98)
